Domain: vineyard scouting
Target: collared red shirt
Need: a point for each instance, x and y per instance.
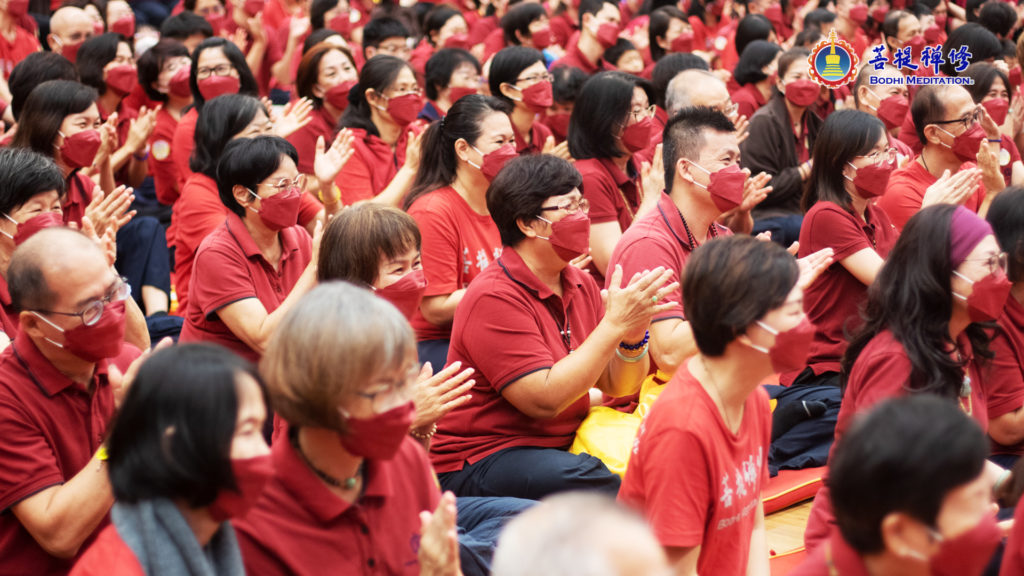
(905, 192)
(614, 195)
(78, 197)
(539, 134)
(304, 139)
(573, 57)
(833, 558)
(1005, 377)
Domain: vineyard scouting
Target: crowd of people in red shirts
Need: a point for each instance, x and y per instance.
(508, 287)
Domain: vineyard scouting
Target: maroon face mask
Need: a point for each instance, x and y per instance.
(542, 38)
(79, 149)
(538, 97)
(871, 180)
(570, 236)
(988, 296)
(455, 93)
(406, 293)
(214, 86)
(251, 475)
(101, 341)
(637, 136)
(122, 79)
(858, 13)
(378, 437)
(28, 228)
(124, 26)
(802, 93)
(966, 144)
(281, 210)
(791, 347)
(337, 95)
(683, 42)
(494, 160)
(404, 109)
(997, 108)
(341, 24)
(725, 185)
(607, 35)
(179, 83)
(969, 553)
(892, 110)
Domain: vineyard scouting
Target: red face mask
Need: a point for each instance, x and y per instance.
(802, 93)
(559, 124)
(494, 161)
(281, 210)
(538, 97)
(570, 236)
(774, 15)
(683, 42)
(122, 79)
(791, 347)
(216, 22)
(460, 41)
(1015, 76)
(79, 150)
(70, 51)
(179, 83)
(340, 24)
(940, 20)
(214, 86)
(28, 228)
(997, 109)
(969, 553)
(988, 297)
(607, 35)
(637, 136)
(917, 44)
(101, 341)
(858, 14)
(124, 26)
(455, 93)
(378, 437)
(406, 293)
(251, 475)
(337, 95)
(966, 144)
(17, 8)
(253, 7)
(97, 28)
(878, 14)
(725, 185)
(933, 34)
(892, 110)
(404, 109)
(542, 38)
(871, 180)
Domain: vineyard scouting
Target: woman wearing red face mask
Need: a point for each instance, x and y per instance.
(381, 115)
(350, 488)
(106, 63)
(463, 154)
(451, 73)
(326, 76)
(714, 417)
(781, 136)
(163, 73)
(611, 128)
(518, 76)
(911, 494)
(185, 456)
(991, 89)
(443, 27)
(921, 332)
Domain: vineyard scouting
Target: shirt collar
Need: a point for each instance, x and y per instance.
(619, 176)
(517, 270)
(45, 375)
(237, 229)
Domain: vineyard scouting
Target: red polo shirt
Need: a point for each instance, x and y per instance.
(304, 139)
(658, 238)
(12, 52)
(230, 267)
(539, 133)
(458, 244)
(196, 213)
(108, 556)
(161, 162)
(50, 427)
(573, 57)
(183, 143)
(1013, 557)
(419, 56)
(748, 99)
(905, 192)
(696, 482)
(832, 302)
(8, 315)
(563, 27)
(372, 166)
(508, 309)
(613, 194)
(836, 558)
(299, 527)
(80, 188)
(1005, 378)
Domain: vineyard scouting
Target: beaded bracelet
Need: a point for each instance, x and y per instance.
(424, 435)
(638, 345)
(631, 359)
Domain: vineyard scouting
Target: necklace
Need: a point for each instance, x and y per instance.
(712, 231)
(925, 163)
(345, 484)
(718, 392)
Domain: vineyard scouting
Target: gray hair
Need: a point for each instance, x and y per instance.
(681, 89)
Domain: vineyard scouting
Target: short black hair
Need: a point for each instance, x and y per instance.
(173, 433)
(592, 7)
(380, 29)
(845, 135)
(752, 27)
(45, 110)
(808, 37)
(25, 174)
(980, 42)
(219, 121)
(616, 51)
(567, 83)
(518, 19)
(508, 64)
(246, 81)
(151, 63)
(745, 278)
(601, 111)
(435, 19)
(998, 17)
(94, 55)
(668, 68)
(247, 162)
(36, 68)
(437, 73)
(658, 26)
(1006, 215)
(317, 36)
(927, 108)
(906, 455)
(756, 56)
(684, 136)
(317, 12)
(183, 26)
(818, 17)
(522, 187)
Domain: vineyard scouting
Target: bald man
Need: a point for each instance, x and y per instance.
(58, 391)
(697, 87)
(69, 27)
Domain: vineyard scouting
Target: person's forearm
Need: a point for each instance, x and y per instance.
(440, 310)
(757, 561)
(672, 343)
(120, 157)
(266, 328)
(106, 177)
(575, 374)
(396, 190)
(256, 54)
(282, 67)
(137, 172)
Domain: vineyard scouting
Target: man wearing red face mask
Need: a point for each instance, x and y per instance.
(59, 390)
(887, 102)
(599, 30)
(69, 27)
(15, 42)
(957, 137)
(910, 495)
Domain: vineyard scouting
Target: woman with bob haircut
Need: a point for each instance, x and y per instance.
(708, 433)
(365, 500)
(451, 73)
(519, 77)
(255, 266)
(755, 73)
(911, 495)
(186, 454)
(512, 437)
(443, 27)
(326, 75)
(463, 154)
(612, 122)
(380, 115)
(924, 328)
(163, 74)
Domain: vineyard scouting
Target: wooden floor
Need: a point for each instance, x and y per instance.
(786, 527)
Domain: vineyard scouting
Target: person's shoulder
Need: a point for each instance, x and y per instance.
(108, 556)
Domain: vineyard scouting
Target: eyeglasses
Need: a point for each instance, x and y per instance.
(571, 206)
(887, 156)
(642, 113)
(545, 77)
(394, 49)
(219, 70)
(211, 10)
(993, 262)
(93, 311)
(404, 91)
(727, 109)
(386, 395)
(967, 121)
(285, 183)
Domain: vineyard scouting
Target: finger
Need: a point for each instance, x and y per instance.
(648, 279)
(455, 403)
(458, 391)
(457, 381)
(447, 372)
(794, 248)
(658, 282)
(426, 371)
(616, 280)
(665, 306)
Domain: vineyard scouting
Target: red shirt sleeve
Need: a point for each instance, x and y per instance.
(638, 256)
(600, 190)
(901, 200)
(1004, 383)
(440, 254)
(184, 142)
(29, 463)
(198, 213)
(832, 227)
(161, 162)
(309, 208)
(355, 180)
(108, 556)
(219, 278)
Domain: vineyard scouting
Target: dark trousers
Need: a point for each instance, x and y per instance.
(142, 256)
(531, 473)
(785, 229)
(435, 352)
(480, 521)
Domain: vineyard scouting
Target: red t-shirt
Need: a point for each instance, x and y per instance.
(1008, 154)
(479, 30)
(563, 27)
(299, 527)
(458, 244)
(1005, 377)
(196, 213)
(230, 267)
(80, 188)
(494, 43)
(509, 310)
(183, 143)
(833, 300)
(304, 139)
(613, 194)
(108, 556)
(8, 315)
(837, 558)
(15, 51)
(696, 482)
(576, 59)
(419, 56)
(539, 133)
(905, 192)
(161, 163)
(50, 427)
(748, 99)
(372, 166)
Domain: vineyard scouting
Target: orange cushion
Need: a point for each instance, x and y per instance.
(791, 487)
